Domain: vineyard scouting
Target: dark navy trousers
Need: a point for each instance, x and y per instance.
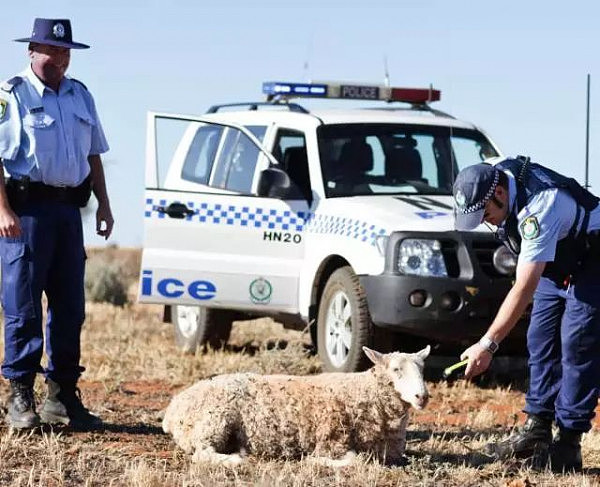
(564, 350)
(48, 257)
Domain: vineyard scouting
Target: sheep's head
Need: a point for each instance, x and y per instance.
(405, 370)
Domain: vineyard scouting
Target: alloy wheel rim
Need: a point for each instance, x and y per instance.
(338, 329)
(187, 320)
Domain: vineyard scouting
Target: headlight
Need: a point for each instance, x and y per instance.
(421, 257)
(505, 262)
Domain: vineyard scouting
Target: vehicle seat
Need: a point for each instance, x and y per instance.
(295, 162)
(356, 159)
(404, 161)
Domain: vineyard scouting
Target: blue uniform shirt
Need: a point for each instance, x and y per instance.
(48, 136)
(546, 219)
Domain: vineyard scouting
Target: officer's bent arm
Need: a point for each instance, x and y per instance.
(104, 218)
(98, 181)
(517, 300)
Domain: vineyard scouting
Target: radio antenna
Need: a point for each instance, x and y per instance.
(306, 64)
(386, 78)
(587, 137)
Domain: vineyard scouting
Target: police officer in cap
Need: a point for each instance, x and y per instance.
(50, 145)
(552, 223)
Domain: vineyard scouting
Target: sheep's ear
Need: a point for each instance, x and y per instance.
(423, 354)
(374, 356)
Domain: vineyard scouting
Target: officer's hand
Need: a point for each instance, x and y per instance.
(479, 360)
(10, 225)
(104, 221)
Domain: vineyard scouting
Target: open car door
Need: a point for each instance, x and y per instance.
(209, 240)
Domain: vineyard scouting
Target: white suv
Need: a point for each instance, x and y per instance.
(336, 220)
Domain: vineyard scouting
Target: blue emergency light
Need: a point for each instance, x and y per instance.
(275, 88)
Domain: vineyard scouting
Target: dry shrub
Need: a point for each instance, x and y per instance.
(105, 281)
(127, 259)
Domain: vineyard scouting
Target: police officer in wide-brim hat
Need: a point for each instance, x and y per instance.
(51, 140)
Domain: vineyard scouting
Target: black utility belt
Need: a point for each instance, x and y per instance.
(21, 191)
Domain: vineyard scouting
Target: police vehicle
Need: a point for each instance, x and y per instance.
(338, 221)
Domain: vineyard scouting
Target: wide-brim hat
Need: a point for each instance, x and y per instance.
(53, 32)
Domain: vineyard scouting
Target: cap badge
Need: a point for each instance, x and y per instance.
(530, 228)
(460, 198)
(58, 30)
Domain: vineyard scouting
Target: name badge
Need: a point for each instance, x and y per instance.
(38, 120)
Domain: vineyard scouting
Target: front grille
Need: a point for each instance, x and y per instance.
(484, 253)
(450, 258)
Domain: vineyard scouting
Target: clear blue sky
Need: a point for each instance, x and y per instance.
(516, 68)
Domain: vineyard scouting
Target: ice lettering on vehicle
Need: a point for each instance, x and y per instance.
(171, 287)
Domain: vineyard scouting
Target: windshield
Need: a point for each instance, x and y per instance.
(396, 158)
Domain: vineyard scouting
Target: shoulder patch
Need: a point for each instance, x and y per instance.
(9, 84)
(79, 82)
(3, 105)
(530, 228)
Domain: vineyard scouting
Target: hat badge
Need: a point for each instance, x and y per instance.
(460, 199)
(58, 30)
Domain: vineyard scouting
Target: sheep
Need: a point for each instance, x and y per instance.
(328, 417)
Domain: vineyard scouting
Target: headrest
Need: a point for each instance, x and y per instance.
(407, 142)
(294, 155)
(356, 156)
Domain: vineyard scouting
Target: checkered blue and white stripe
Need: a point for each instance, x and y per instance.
(271, 219)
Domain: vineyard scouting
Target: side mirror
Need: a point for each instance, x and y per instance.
(275, 183)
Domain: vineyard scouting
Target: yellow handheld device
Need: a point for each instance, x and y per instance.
(448, 371)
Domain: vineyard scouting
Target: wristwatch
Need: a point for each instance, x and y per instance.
(488, 344)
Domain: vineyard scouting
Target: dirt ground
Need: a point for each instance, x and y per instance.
(133, 369)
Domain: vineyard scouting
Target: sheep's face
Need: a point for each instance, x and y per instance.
(405, 370)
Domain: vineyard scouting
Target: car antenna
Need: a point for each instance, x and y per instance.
(587, 137)
(306, 65)
(386, 73)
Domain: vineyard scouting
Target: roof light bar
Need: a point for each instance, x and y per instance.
(340, 90)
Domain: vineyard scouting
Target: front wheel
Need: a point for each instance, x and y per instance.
(343, 323)
(200, 326)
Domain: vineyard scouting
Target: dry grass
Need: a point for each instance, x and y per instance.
(133, 369)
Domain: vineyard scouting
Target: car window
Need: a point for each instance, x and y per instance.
(285, 139)
(361, 159)
(236, 163)
(257, 130)
(290, 150)
(201, 153)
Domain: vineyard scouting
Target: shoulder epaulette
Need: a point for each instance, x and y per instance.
(9, 84)
(77, 81)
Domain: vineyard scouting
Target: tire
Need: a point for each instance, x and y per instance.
(200, 326)
(343, 323)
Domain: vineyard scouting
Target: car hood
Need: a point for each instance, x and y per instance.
(392, 213)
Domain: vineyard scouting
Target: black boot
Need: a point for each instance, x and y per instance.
(531, 442)
(565, 452)
(63, 405)
(21, 404)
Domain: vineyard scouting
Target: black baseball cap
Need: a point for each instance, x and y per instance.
(473, 188)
